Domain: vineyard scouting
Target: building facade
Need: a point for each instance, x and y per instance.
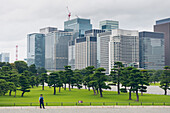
(77, 26)
(118, 45)
(85, 52)
(152, 54)
(108, 25)
(56, 46)
(47, 30)
(4, 57)
(36, 49)
(163, 26)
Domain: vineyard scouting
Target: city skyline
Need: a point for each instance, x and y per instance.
(19, 18)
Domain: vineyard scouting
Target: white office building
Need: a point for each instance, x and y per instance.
(118, 45)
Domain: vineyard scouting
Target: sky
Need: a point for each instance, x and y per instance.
(21, 17)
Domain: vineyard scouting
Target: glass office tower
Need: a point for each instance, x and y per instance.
(108, 25)
(151, 50)
(57, 49)
(36, 49)
(78, 26)
(4, 57)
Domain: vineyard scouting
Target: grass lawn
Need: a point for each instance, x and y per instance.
(71, 97)
(156, 84)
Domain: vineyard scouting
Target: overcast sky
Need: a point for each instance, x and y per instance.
(21, 17)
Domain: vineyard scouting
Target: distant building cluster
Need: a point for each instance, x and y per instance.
(79, 46)
(4, 57)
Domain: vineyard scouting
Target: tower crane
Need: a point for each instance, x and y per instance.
(69, 13)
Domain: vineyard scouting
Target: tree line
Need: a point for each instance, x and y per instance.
(19, 76)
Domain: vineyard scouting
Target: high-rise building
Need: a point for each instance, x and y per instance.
(108, 25)
(93, 32)
(47, 30)
(77, 26)
(151, 47)
(85, 52)
(71, 54)
(4, 57)
(36, 49)
(164, 27)
(118, 45)
(56, 46)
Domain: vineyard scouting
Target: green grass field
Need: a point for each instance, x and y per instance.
(66, 97)
(156, 84)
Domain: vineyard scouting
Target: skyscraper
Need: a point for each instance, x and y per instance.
(56, 46)
(77, 26)
(48, 30)
(108, 25)
(36, 49)
(85, 52)
(164, 27)
(152, 54)
(118, 45)
(4, 57)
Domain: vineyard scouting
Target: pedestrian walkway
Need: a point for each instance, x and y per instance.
(87, 109)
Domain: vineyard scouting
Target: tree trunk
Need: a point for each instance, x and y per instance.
(85, 86)
(130, 97)
(137, 96)
(43, 86)
(10, 92)
(64, 86)
(54, 90)
(89, 88)
(97, 91)
(22, 94)
(165, 91)
(32, 86)
(100, 92)
(69, 87)
(59, 89)
(142, 91)
(15, 93)
(118, 87)
(94, 90)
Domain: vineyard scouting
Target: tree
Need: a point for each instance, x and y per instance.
(69, 75)
(135, 79)
(15, 79)
(144, 81)
(41, 70)
(124, 79)
(3, 87)
(32, 81)
(54, 81)
(89, 71)
(32, 68)
(165, 79)
(116, 74)
(100, 79)
(11, 87)
(43, 79)
(21, 66)
(24, 84)
(78, 78)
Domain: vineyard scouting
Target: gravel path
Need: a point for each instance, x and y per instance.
(86, 109)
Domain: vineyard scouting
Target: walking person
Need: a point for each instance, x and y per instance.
(41, 101)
